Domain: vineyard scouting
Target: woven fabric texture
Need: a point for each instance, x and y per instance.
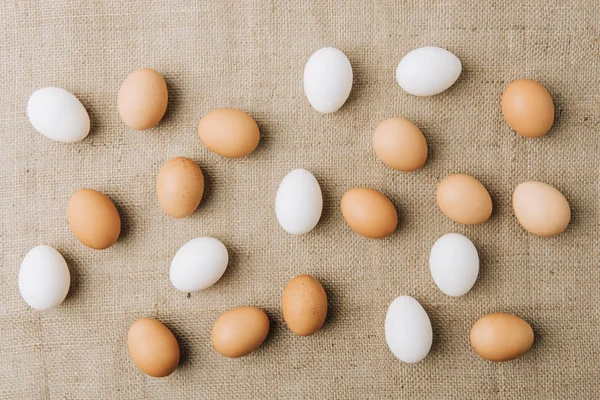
(251, 55)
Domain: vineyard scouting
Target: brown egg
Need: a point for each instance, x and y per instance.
(464, 199)
(501, 337)
(179, 186)
(153, 347)
(528, 108)
(93, 219)
(143, 99)
(240, 331)
(369, 213)
(541, 209)
(304, 305)
(400, 144)
(229, 133)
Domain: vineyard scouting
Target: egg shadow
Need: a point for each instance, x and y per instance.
(439, 340)
(173, 101)
(75, 273)
(125, 217)
(329, 206)
(264, 143)
(207, 194)
(333, 314)
(94, 120)
(275, 328)
(232, 264)
(359, 80)
(185, 352)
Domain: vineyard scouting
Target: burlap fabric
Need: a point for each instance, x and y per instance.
(250, 55)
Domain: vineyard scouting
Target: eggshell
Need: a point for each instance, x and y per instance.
(327, 79)
(501, 337)
(240, 331)
(528, 108)
(229, 133)
(304, 305)
(93, 219)
(428, 71)
(179, 187)
(464, 199)
(541, 209)
(143, 99)
(58, 115)
(299, 202)
(400, 144)
(44, 278)
(369, 213)
(454, 264)
(408, 330)
(153, 347)
(198, 264)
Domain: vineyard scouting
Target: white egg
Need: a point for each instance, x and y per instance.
(327, 79)
(299, 202)
(428, 71)
(44, 278)
(198, 264)
(58, 115)
(454, 264)
(408, 330)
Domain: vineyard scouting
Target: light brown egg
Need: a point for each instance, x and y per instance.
(93, 219)
(229, 133)
(528, 108)
(304, 305)
(240, 331)
(541, 209)
(501, 337)
(153, 347)
(179, 187)
(143, 99)
(464, 199)
(369, 213)
(400, 144)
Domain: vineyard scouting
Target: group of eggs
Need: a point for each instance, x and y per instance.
(454, 263)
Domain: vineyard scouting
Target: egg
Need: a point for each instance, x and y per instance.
(143, 99)
(299, 202)
(428, 71)
(528, 108)
(304, 305)
(198, 264)
(408, 330)
(327, 79)
(229, 133)
(58, 115)
(541, 209)
(501, 337)
(400, 144)
(93, 219)
(179, 187)
(464, 199)
(44, 278)
(369, 213)
(454, 264)
(153, 347)
(240, 331)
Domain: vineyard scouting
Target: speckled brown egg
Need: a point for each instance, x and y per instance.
(400, 144)
(179, 187)
(464, 199)
(304, 305)
(153, 347)
(369, 213)
(501, 337)
(240, 331)
(143, 99)
(528, 108)
(541, 209)
(229, 132)
(93, 219)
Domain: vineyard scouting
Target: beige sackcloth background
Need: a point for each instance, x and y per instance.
(251, 55)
